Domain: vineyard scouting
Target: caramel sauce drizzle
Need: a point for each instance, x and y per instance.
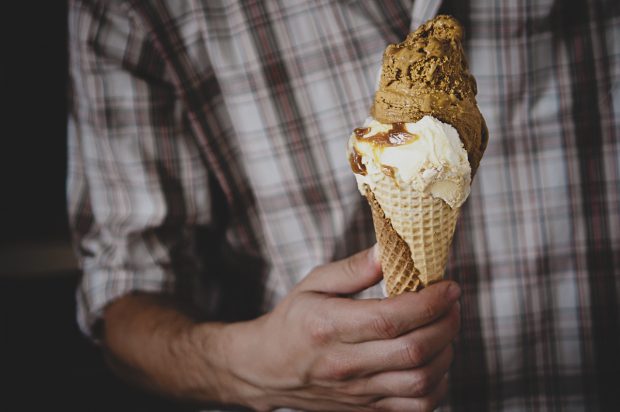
(355, 160)
(396, 136)
(389, 171)
(361, 131)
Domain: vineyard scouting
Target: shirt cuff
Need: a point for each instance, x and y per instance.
(98, 288)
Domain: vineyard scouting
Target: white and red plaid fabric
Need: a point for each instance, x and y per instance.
(207, 160)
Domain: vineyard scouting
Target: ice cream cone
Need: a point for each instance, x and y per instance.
(415, 157)
(414, 242)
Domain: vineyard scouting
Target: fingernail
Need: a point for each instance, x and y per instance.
(454, 291)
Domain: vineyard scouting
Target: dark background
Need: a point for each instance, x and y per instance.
(45, 362)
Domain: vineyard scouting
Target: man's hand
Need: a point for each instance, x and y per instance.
(322, 351)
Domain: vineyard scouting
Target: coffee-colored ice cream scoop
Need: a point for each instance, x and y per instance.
(427, 74)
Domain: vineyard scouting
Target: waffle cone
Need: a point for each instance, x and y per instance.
(414, 242)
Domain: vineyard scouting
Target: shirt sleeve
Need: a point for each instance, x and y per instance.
(137, 185)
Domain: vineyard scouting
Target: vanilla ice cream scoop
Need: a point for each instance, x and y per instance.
(426, 155)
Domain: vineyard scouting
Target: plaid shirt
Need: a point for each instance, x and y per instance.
(207, 159)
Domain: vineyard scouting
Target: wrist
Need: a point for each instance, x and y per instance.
(224, 350)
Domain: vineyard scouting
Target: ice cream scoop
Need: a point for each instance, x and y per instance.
(426, 155)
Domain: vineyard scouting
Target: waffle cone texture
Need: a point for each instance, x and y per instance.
(414, 241)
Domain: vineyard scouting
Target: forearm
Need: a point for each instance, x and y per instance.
(150, 342)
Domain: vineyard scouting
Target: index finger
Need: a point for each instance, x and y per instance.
(374, 319)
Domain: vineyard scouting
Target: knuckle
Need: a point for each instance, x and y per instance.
(421, 384)
(413, 353)
(340, 371)
(384, 327)
(321, 330)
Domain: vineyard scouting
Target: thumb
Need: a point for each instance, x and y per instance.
(347, 276)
